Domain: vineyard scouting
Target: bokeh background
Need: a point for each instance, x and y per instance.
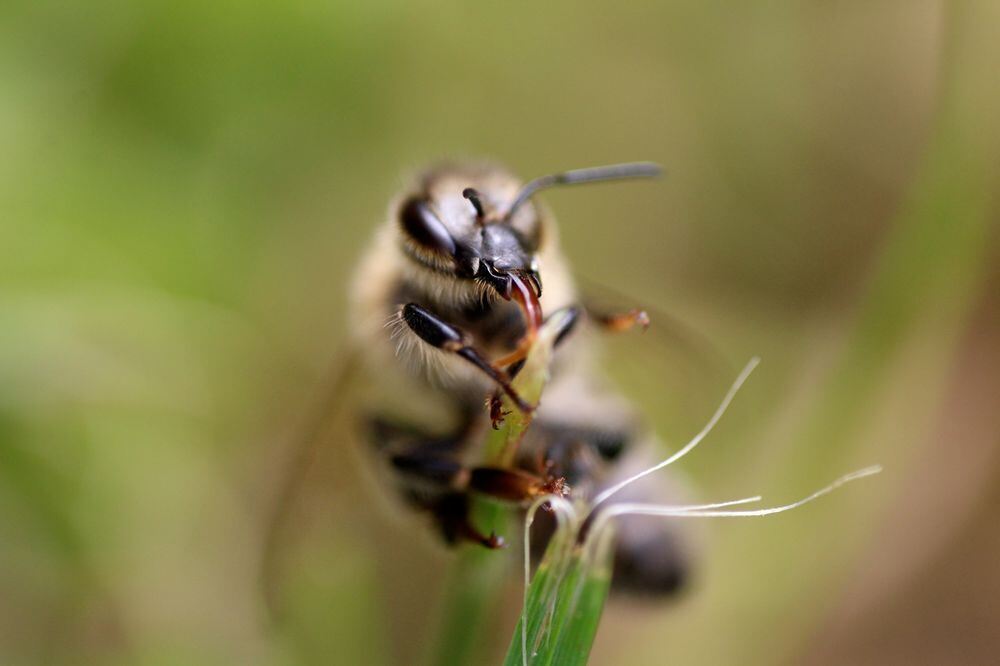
(185, 186)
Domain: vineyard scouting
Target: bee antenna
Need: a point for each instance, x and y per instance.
(577, 176)
(473, 196)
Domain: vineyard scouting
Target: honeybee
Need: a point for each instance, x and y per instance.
(454, 283)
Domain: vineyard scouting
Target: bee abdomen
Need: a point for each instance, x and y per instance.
(650, 560)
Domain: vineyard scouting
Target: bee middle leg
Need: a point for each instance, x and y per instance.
(433, 479)
(614, 322)
(619, 322)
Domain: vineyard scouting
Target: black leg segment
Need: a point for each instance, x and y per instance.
(571, 321)
(440, 334)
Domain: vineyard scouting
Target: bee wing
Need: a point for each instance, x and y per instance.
(298, 459)
(675, 370)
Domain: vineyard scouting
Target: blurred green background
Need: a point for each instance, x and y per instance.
(184, 188)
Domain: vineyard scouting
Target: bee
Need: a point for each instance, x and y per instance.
(444, 305)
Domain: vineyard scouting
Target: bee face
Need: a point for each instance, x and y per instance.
(457, 223)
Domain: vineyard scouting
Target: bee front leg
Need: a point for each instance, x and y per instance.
(441, 335)
(515, 361)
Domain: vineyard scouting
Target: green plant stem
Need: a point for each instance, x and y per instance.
(478, 575)
(564, 603)
(475, 580)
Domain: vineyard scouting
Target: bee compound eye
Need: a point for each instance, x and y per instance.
(423, 226)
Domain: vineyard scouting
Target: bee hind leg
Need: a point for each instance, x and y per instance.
(433, 481)
(452, 516)
(442, 486)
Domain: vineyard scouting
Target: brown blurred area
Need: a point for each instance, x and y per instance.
(186, 187)
(925, 590)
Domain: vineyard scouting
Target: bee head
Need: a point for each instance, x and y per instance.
(479, 223)
(465, 232)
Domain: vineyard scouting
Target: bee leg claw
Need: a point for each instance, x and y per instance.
(497, 412)
(495, 542)
(452, 514)
(467, 532)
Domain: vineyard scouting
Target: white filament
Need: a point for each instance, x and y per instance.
(657, 510)
(566, 513)
(710, 511)
(602, 519)
(705, 507)
(694, 441)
